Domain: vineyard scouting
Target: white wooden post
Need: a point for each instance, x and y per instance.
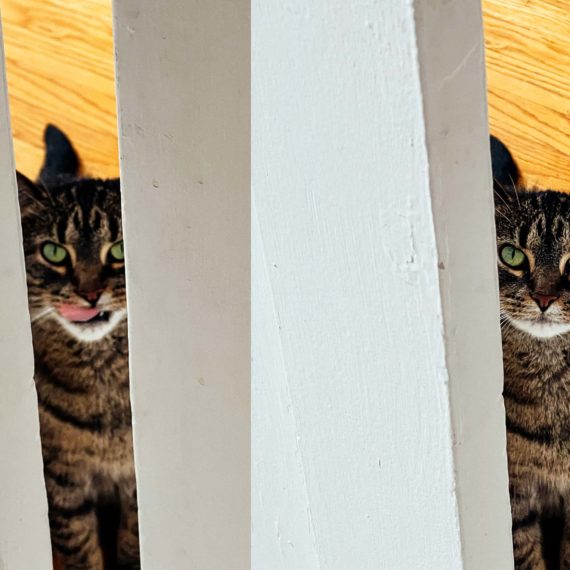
(24, 532)
(183, 82)
(378, 424)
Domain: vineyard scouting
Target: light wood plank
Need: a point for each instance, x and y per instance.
(60, 69)
(528, 74)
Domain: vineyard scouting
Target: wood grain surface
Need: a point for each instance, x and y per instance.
(528, 75)
(60, 69)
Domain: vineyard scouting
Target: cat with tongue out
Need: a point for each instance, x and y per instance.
(73, 247)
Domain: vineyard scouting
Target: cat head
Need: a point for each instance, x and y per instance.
(73, 248)
(533, 244)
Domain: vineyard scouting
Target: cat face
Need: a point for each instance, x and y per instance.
(533, 241)
(74, 255)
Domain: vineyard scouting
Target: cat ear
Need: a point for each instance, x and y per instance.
(29, 193)
(506, 173)
(61, 162)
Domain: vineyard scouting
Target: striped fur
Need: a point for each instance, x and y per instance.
(81, 371)
(536, 355)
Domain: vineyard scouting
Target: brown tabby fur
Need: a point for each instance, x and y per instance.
(536, 369)
(82, 385)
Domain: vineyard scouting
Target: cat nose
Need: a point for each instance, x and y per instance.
(91, 296)
(544, 301)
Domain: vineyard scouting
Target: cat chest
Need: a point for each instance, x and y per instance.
(538, 420)
(97, 419)
(101, 449)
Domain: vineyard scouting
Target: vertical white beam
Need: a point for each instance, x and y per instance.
(375, 340)
(23, 501)
(451, 54)
(183, 81)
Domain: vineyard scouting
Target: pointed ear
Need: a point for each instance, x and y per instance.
(506, 173)
(29, 194)
(61, 162)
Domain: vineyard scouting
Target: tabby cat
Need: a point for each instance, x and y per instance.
(76, 285)
(533, 241)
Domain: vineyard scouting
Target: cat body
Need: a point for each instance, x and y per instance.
(533, 239)
(537, 402)
(76, 287)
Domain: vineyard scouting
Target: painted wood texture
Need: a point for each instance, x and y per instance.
(183, 70)
(363, 281)
(60, 68)
(451, 55)
(528, 74)
(24, 533)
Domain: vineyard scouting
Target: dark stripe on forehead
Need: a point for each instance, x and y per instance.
(85, 198)
(76, 220)
(61, 227)
(545, 231)
(85, 211)
(69, 194)
(523, 234)
(113, 227)
(555, 223)
(558, 228)
(100, 196)
(96, 221)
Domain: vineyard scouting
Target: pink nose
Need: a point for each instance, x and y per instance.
(544, 301)
(92, 296)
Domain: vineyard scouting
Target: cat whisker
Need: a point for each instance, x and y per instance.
(505, 322)
(502, 199)
(42, 314)
(504, 216)
(516, 191)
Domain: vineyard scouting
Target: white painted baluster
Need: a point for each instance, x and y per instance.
(378, 430)
(183, 80)
(24, 531)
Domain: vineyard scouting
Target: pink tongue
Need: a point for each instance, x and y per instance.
(77, 314)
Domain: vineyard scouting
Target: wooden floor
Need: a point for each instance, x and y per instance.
(528, 75)
(60, 70)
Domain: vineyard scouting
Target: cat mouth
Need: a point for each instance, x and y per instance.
(89, 324)
(83, 315)
(541, 327)
(100, 317)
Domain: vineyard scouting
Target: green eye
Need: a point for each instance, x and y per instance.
(512, 256)
(117, 252)
(54, 253)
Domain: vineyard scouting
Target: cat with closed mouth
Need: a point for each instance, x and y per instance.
(533, 252)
